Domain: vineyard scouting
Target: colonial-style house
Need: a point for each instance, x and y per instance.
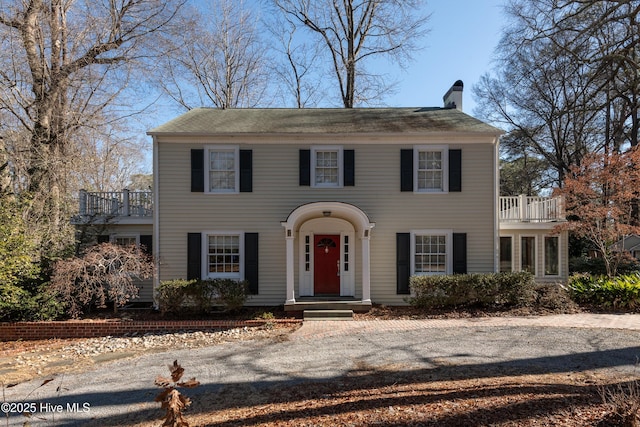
(314, 205)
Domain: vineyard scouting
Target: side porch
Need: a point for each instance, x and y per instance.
(530, 239)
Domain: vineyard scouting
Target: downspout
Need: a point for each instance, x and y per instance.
(496, 204)
(156, 222)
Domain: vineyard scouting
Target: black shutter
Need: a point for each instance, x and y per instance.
(246, 171)
(403, 262)
(455, 170)
(194, 256)
(103, 238)
(406, 170)
(251, 261)
(197, 171)
(459, 253)
(305, 167)
(146, 242)
(349, 168)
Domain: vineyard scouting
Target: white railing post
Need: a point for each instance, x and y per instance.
(522, 204)
(125, 201)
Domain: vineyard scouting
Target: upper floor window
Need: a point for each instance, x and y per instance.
(431, 169)
(327, 167)
(223, 169)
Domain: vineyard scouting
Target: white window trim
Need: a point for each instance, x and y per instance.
(544, 256)
(535, 253)
(339, 149)
(444, 149)
(448, 233)
(205, 255)
(513, 252)
(229, 148)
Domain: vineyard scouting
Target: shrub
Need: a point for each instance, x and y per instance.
(172, 294)
(471, 290)
(553, 297)
(596, 266)
(623, 401)
(17, 304)
(606, 292)
(228, 293)
(200, 296)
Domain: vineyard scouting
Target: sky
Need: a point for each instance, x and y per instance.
(460, 46)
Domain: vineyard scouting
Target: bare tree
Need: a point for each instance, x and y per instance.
(296, 63)
(218, 60)
(355, 31)
(105, 272)
(566, 79)
(541, 91)
(64, 66)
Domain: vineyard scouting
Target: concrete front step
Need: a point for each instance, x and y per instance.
(328, 314)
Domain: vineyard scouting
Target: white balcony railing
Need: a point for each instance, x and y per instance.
(114, 204)
(531, 209)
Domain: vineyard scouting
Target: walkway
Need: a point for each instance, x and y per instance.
(329, 328)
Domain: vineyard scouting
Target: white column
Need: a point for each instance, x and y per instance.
(366, 268)
(290, 291)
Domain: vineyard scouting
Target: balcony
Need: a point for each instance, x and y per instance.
(531, 209)
(115, 206)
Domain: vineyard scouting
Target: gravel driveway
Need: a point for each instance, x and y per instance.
(120, 392)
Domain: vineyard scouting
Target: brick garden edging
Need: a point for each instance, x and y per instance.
(101, 328)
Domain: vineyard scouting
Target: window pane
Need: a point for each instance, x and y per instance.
(551, 256)
(224, 254)
(430, 170)
(505, 254)
(430, 254)
(222, 170)
(528, 255)
(326, 167)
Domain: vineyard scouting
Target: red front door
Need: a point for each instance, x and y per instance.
(326, 270)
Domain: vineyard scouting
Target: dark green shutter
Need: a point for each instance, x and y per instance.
(194, 256)
(349, 168)
(403, 262)
(146, 241)
(406, 170)
(455, 170)
(251, 261)
(246, 171)
(459, 253)
(197, 171)
(305, 167)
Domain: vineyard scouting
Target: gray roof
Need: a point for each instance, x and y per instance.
(203, 121)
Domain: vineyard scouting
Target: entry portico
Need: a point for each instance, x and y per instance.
(336, 226)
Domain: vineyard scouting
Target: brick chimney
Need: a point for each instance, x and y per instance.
(453, 97)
